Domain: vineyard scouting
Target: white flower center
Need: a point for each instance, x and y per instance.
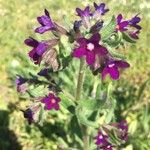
(53, 101)
(90, 46)
(111, 65)
(100, 137)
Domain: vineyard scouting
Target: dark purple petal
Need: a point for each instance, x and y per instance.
(134, 34)
(34, 56)
(79, 52)
(83, 13)
(44, 21)
(122, 64)
(41, 49)
(122, 26)
(31, 42)
(95, 38)
(47, 13)
(79, 11)
(119, 18)
(114, 73)
(90, 57)
(101, 50)
(42, 29)
(101, 8)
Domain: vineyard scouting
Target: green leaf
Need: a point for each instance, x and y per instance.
(83, 115)
(116, 54)
(115, 40)
(67, 103)
(91, 104)
(109, 29)
(127, 38)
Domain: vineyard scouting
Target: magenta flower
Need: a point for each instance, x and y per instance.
(101, 139)
(121, 25)
(21, 86)
(83, 13)
(134, 22)
(46, 23)
(38, 49)
(111, 68)
(51, 102)
(100, 8)
(89, 48)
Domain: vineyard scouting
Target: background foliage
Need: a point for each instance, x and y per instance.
(18, 19)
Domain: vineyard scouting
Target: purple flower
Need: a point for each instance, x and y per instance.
(51, 102)
(134, 22)
(89, 48)
(101, 139)
(111, 68)
(83, 13)
(46, 23)
(100, 8)
(20, 83)
(38, 49)
(28, 114)
(121, 25)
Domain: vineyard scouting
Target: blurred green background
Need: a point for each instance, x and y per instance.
(18, 19)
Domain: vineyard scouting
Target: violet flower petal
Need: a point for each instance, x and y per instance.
(79, 52)
(90, 57)
(114, 73)
(122, 64)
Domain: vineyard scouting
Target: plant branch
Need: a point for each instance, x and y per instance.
(80, 79)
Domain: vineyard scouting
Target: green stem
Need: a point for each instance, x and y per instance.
(80, 79)
(78, 97)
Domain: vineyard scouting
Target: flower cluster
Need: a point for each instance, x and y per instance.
(95, 41)
(103, 141)
(91, 49)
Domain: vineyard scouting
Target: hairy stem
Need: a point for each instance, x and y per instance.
(78, 97)
(80, 79)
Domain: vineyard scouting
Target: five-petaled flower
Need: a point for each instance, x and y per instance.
(51, 102)
(38, 49)
(134, 22)
(46, 23)
(83, 13)
(100, 9)
(89, 48)
(111, 68)
(121, 25)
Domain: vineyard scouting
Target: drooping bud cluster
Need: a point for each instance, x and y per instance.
(103, 138)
